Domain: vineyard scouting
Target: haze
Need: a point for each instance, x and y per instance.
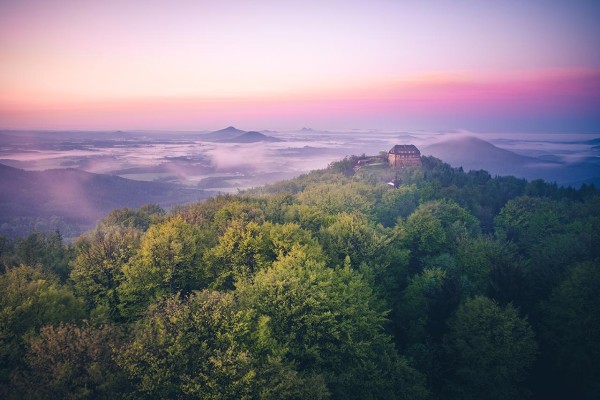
(484, 66)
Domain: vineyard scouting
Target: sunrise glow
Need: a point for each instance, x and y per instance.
(203, 65)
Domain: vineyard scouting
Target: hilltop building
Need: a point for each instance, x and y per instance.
(404, 155)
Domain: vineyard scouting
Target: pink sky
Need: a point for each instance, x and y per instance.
(518, 65)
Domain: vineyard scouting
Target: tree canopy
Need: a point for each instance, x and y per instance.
(331, 285)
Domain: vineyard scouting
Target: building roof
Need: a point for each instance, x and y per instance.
(401, 148)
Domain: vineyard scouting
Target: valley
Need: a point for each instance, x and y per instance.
(68, 180)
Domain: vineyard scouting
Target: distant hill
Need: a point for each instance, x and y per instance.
(234, 135)
(250, 137)
(473, 153)
(80, 197)
(222, 134)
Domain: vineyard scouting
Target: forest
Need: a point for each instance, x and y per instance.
(333, 285)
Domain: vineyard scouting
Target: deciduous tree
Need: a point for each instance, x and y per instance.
(326, 319)
(72, 362)
(168, 261)
(491, 350)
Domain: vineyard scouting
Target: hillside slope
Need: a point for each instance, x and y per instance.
(332, 285)
(80, 197)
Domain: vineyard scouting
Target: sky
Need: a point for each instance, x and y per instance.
(511, 65)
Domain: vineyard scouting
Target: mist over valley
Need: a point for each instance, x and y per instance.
(106, 170)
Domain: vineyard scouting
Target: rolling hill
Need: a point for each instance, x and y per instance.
(473, 153)
(80, 197)
(234, 135)
(222, 134)
(251, 137)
